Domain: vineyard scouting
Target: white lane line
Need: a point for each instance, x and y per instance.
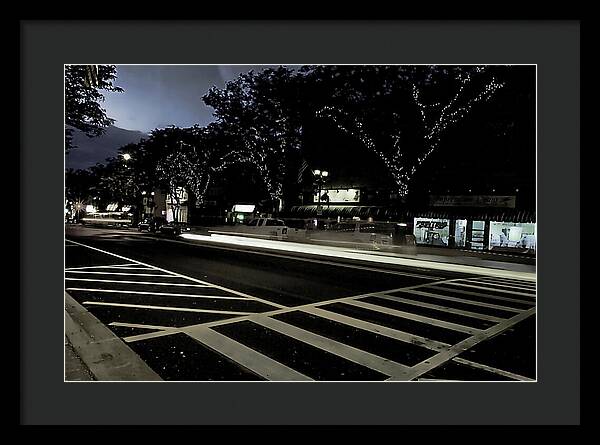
(111, 266)
(415, 317)
(142, 326)
(118, 291)
(175, 274)
(163, 308)
(377, 329)
(479, 294)
(253, 360)
(364, 358)
(502, 372)
(106, 267)
(450, 310)
(120, 273)
(443, 356)
(498, 285)
(456, 283)
(138, 282)
(462, 300)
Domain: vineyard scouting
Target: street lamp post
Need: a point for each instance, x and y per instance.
(320, 178)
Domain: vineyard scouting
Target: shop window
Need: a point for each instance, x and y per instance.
(478, 235)
(512, 236)
(460, 233)
(432, 231)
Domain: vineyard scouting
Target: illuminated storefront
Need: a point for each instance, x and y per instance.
(434, 232)
(177, 206)
(512, 235)
(460, 233)
(349, 195)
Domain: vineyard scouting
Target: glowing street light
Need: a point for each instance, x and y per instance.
(320, 180)
(126, 157)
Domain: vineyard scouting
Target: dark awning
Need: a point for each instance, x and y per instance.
(398, 214)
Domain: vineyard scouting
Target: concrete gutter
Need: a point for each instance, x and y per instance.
(106, 355)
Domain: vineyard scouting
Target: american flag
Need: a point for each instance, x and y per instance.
(301, 170)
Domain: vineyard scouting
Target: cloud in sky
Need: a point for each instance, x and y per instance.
(163, 95)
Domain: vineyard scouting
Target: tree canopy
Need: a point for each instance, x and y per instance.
(83, 97)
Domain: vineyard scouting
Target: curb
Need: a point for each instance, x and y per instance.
(106, 355)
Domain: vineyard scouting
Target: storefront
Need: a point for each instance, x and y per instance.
(514, 236)
(177, 206)
(432, 231)
(476, 234)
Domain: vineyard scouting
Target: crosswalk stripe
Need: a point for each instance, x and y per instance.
(502, 372)
(121, 273)
(441, 308)
(107, 267)
(479, 294)
(507, 280)
(100, 267)
(253, 360)
(460, 300)
(377, 329)
(415, 317)
(351, 353)
(493, 286)
(163, 308)
(456, 283)
(95, 280)
(142, 326)
(443, 356)
(178, 275)
(216, 297)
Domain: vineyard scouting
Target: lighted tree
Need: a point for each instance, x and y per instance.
(115, 182)
(258, 110)
(83, 97)
(402, 112)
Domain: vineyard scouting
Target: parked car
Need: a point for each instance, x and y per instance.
(151, 224)
(267, 228)
(174, 228)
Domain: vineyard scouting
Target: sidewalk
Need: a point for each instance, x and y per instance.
(75, 369)
(94, 352)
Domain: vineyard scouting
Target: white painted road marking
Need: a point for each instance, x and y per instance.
(253, 360)
(216, 297)
(175, 274)
(163, 308)
(502, 372)
(456, 283)
(377, 329)
(447, 309)
(120, 273)
(138, 282)
(461, 300)
(414, 317)
(364, 358)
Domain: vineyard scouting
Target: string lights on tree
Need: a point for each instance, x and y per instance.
(435, 120)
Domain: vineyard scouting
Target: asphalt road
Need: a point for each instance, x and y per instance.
(197, 312)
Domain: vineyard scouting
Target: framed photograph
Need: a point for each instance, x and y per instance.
(339, 223)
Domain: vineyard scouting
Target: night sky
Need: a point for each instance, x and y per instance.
(157, 96)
